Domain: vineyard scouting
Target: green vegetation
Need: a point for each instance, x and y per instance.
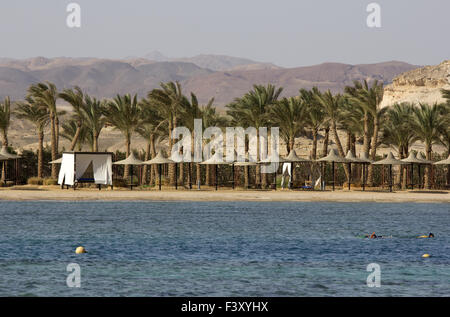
(353, 117)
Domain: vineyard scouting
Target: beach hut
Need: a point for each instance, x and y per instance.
(215, 160)
(411, 160)
(5, 156)
(132, 161)
(333, 157)
(269, 160)
(85, 167)
(159, 160)
(292, 158)
(445, 162)
(390, 160)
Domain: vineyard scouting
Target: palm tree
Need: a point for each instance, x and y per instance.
(5, 121)
(71, 130)
(150, 129)
(315, 118)
(397, 131)
(94, 120)
(251, 110)
(168, 101)
(30, 110)
(289, 115)
(427, 123)
(124, 114)
(75, 98)
(46, 94)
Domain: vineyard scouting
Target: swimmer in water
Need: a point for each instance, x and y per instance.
(431, 235)
(372, 236)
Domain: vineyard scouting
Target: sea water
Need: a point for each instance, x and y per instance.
(223, 248)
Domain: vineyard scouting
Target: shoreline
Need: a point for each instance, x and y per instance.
(56, 194)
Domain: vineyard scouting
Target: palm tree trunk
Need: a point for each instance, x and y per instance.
(171, 166)
(4, 165)
(339, 145)
(374, 146)
(145, 169)
(314, 148)
(41, 154)
(427, 174)
(95, 141)
(366, 141)
(126, 170)
(325, 142)
(75, 137)
(258, 168)
(53, 143)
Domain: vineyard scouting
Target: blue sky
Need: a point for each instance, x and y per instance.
(286, 32)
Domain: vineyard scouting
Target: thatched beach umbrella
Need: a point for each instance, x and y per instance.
(6, 156)
(159, 160)
(445, 162)
(57, 161)
(293, 158)
(365, 161)
(243, 162)
(424, 161)
(352, 159)
(390, 160)
(270, 160)
(412, 159)
(215, 160)
(130, 160)
(333, 157)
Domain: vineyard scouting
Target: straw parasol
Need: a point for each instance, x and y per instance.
(333, 157)
(443, 162)
(130, 160)
(412, 159)
(390, 160)
(4, 152)
(270, 160)
(293, 158)
(352, 159)
(159, 160)
(424, 161)
(365, 161)
(215, 160)
(6, 156)
(57, 161)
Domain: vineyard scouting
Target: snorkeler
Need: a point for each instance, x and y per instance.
(431, 235)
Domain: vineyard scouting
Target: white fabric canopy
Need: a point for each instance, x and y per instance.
(74, 165)
(66, 172)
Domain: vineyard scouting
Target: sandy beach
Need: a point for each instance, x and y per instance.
(26, 193)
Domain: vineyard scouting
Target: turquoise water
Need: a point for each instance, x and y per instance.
(223, 248)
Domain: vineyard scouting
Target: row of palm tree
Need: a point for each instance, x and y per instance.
(312, 113)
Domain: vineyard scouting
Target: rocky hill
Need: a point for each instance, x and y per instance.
(419, 85)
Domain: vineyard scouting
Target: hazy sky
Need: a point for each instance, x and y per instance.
(285, 32)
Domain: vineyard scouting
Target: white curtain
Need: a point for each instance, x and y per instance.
(102, 165)
(66, 172)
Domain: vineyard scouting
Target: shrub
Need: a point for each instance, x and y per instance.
(35, 181)
(50, 181)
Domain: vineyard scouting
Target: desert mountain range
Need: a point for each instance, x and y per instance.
(221, 77)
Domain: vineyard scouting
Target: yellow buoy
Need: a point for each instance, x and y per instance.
(80, 250)
(423, 236)
(426, 255)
